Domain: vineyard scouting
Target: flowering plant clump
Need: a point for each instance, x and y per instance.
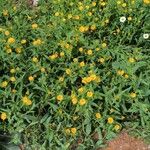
(69, 69)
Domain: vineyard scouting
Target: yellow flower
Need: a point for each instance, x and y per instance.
(117, 127)
(118, 2)
(13, 79)
(26, 101)
(129, 18)
(126, 76)
(82, 29)
(9, 50)
(110, 120)
(5, 12)
(82, 64)
(81, 49)
(131, 60)
(54, 56)
(7, 33)
(42, 69)
(37, 42)
(81, 7)
(18, 50)
(120, 72)
(61, 79)
(74, 100)
(89, 94)
(14, 91)
(103, 3)
(68, 71)
(11, 40)
(86, 28)
(76, 17)
(82, 101)
(133, 95)
(67, 131)
(35, 59)
(98, 115)
(12, 70)
(69, 16)
(73, 131)
(101, 60)
(59, 97)
(75, 60)
(31, 78)
(93, 3)
(104, 45)
(23, 41)
(57, 14)
(3, 116)
(80, 90)
(93, 77)
(146, 1)
(34, 26)
(90, 52)
(89, 13)
(93, 27)
(124, 5)
(62, 54)
(4, 84)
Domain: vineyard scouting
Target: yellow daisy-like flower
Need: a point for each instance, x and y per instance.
(89, 94)
(7, 33)
(82, 101)
(37, 42)
(34, 26)
(82, 64)
(93, 27)
(67, 131)
(117, 127)
(126, 76)
(5, 12)
(23, 41)
(4, 84)
(68, 71)
(82, 29)
(80, 90)
(59, 97)
(131, 60)
(42, 69)
(11, 40)
(98, 115)
(12, 79)
(133, 95)
(26, 101)
(74, 100)
(89, 52)
(35, 59)
(31, 78)
(146, 1)
(62, 54)
(110, 120)
(101, 60)
(3, 116)
(12, 70)
(81, 49)
(120, 72)
(73, 131)
(104, 45)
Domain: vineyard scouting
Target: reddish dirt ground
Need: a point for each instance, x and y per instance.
(126, 142)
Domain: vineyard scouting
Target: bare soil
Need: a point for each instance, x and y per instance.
(126, 142)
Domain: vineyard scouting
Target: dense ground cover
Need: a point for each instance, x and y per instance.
(70, 69)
